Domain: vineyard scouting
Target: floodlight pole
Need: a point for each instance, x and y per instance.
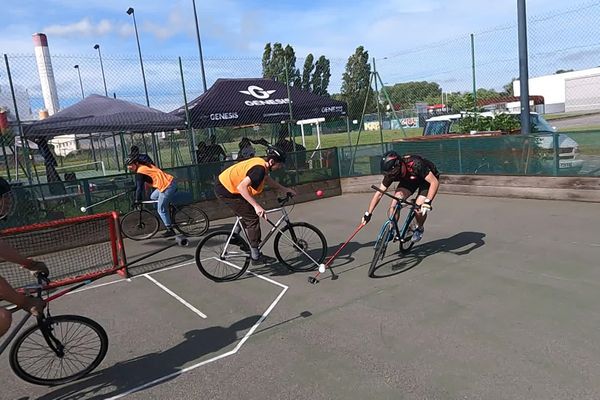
(523, 67)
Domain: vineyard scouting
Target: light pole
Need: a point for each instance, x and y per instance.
(131, 12)
(97, 47)
(80, 81)
(199, 46)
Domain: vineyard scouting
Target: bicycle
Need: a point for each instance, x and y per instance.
(58, 349)
(306, 247)
(140, 224)
(390, 232)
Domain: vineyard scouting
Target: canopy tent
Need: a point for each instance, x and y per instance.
(98, 113)
(234, 102)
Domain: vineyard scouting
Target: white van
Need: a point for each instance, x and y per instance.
(569, 161)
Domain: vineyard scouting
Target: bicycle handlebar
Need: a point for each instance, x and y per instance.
(409, 203)
(283, 200)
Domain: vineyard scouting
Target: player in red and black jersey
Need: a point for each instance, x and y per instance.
(412, 173)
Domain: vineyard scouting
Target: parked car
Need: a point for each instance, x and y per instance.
(568, 161)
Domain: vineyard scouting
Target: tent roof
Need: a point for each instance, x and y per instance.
(98, 113)
(246, 101)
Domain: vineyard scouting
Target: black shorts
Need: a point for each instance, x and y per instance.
(412, 187)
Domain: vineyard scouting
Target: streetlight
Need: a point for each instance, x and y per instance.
(199, 46)
(97, 47)
(80, 81)
(131, 12)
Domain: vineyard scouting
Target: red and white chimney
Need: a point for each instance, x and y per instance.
(44, 64)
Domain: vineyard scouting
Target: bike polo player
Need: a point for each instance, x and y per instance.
(7, 253)
(237, 186)
(163, 183)
(412, 173)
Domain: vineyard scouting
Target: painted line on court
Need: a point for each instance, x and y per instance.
(227, 354)
(176, 296)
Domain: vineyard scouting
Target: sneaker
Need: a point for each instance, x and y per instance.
(263, 259)
(417, 235)
(169, 233)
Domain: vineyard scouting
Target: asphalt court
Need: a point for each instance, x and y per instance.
(498, 301)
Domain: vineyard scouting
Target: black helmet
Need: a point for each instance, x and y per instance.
(132, 158)
(275, 153)
(389, 161)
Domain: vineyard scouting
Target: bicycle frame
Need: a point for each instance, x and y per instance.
(274, 227)
(394, 216)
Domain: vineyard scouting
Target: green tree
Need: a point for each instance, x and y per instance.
(321, 76)
(508, 88)
(274, 62)
(408, 93)
(309, 66)
(356, 84)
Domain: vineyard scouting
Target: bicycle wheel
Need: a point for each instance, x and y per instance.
(191, 220)
(139, 225)
(219, 265)
(82, 343)
(380, 248)
(308, 238)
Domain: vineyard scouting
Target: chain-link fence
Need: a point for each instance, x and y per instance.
(420, 90)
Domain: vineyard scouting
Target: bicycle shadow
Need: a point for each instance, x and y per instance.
(144, 370)
(459, 244)
(144, 268)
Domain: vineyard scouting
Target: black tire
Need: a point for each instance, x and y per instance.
(139, 225)
(309, 238)
(65, 328)
(380, 248)
(217, 268)
(191, 220)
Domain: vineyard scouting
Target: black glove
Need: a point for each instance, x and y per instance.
(366, 217)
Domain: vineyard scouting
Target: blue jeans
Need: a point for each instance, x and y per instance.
(164, 199)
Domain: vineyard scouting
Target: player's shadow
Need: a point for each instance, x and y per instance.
(460, 244)
(155, 368)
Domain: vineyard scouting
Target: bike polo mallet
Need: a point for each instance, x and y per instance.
(84, 209)
(313, 279)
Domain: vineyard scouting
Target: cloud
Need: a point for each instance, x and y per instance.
(84, 27)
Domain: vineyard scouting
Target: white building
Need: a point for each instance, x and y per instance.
(566, 92)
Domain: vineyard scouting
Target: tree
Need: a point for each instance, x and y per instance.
(274, 62)
(508, 88)
(408, 93)
(356, 84)
(309, 66)
(563, 71)
(321, 76)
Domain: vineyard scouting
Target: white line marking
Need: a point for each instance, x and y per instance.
(176, 296)
(131, 279)
(229, 353)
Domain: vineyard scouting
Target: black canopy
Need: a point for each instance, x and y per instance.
(249, 101)
(104, 114)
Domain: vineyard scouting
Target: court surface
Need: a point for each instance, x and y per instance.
(499, 301)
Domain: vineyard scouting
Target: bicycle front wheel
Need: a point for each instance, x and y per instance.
(220, 261)
(380, 248)
(300, 239)
(191, 220)
(139, 225)
(80, 346)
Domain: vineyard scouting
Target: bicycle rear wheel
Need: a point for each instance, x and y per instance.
(380, 248)
(81, 343)
(304, 236)
(220, 264)
(139, 225)
(191, 220)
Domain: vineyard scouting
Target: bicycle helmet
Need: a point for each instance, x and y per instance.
(132, 158)
(389, 161)
(275, 153)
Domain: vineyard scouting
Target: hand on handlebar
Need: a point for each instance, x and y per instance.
(424, 209)
(37, 268)
(260, 212)
(290, 192)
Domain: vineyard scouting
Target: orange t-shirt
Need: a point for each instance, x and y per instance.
(232, 176)
(160, 179)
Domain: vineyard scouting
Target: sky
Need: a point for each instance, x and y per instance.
(410, 39)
